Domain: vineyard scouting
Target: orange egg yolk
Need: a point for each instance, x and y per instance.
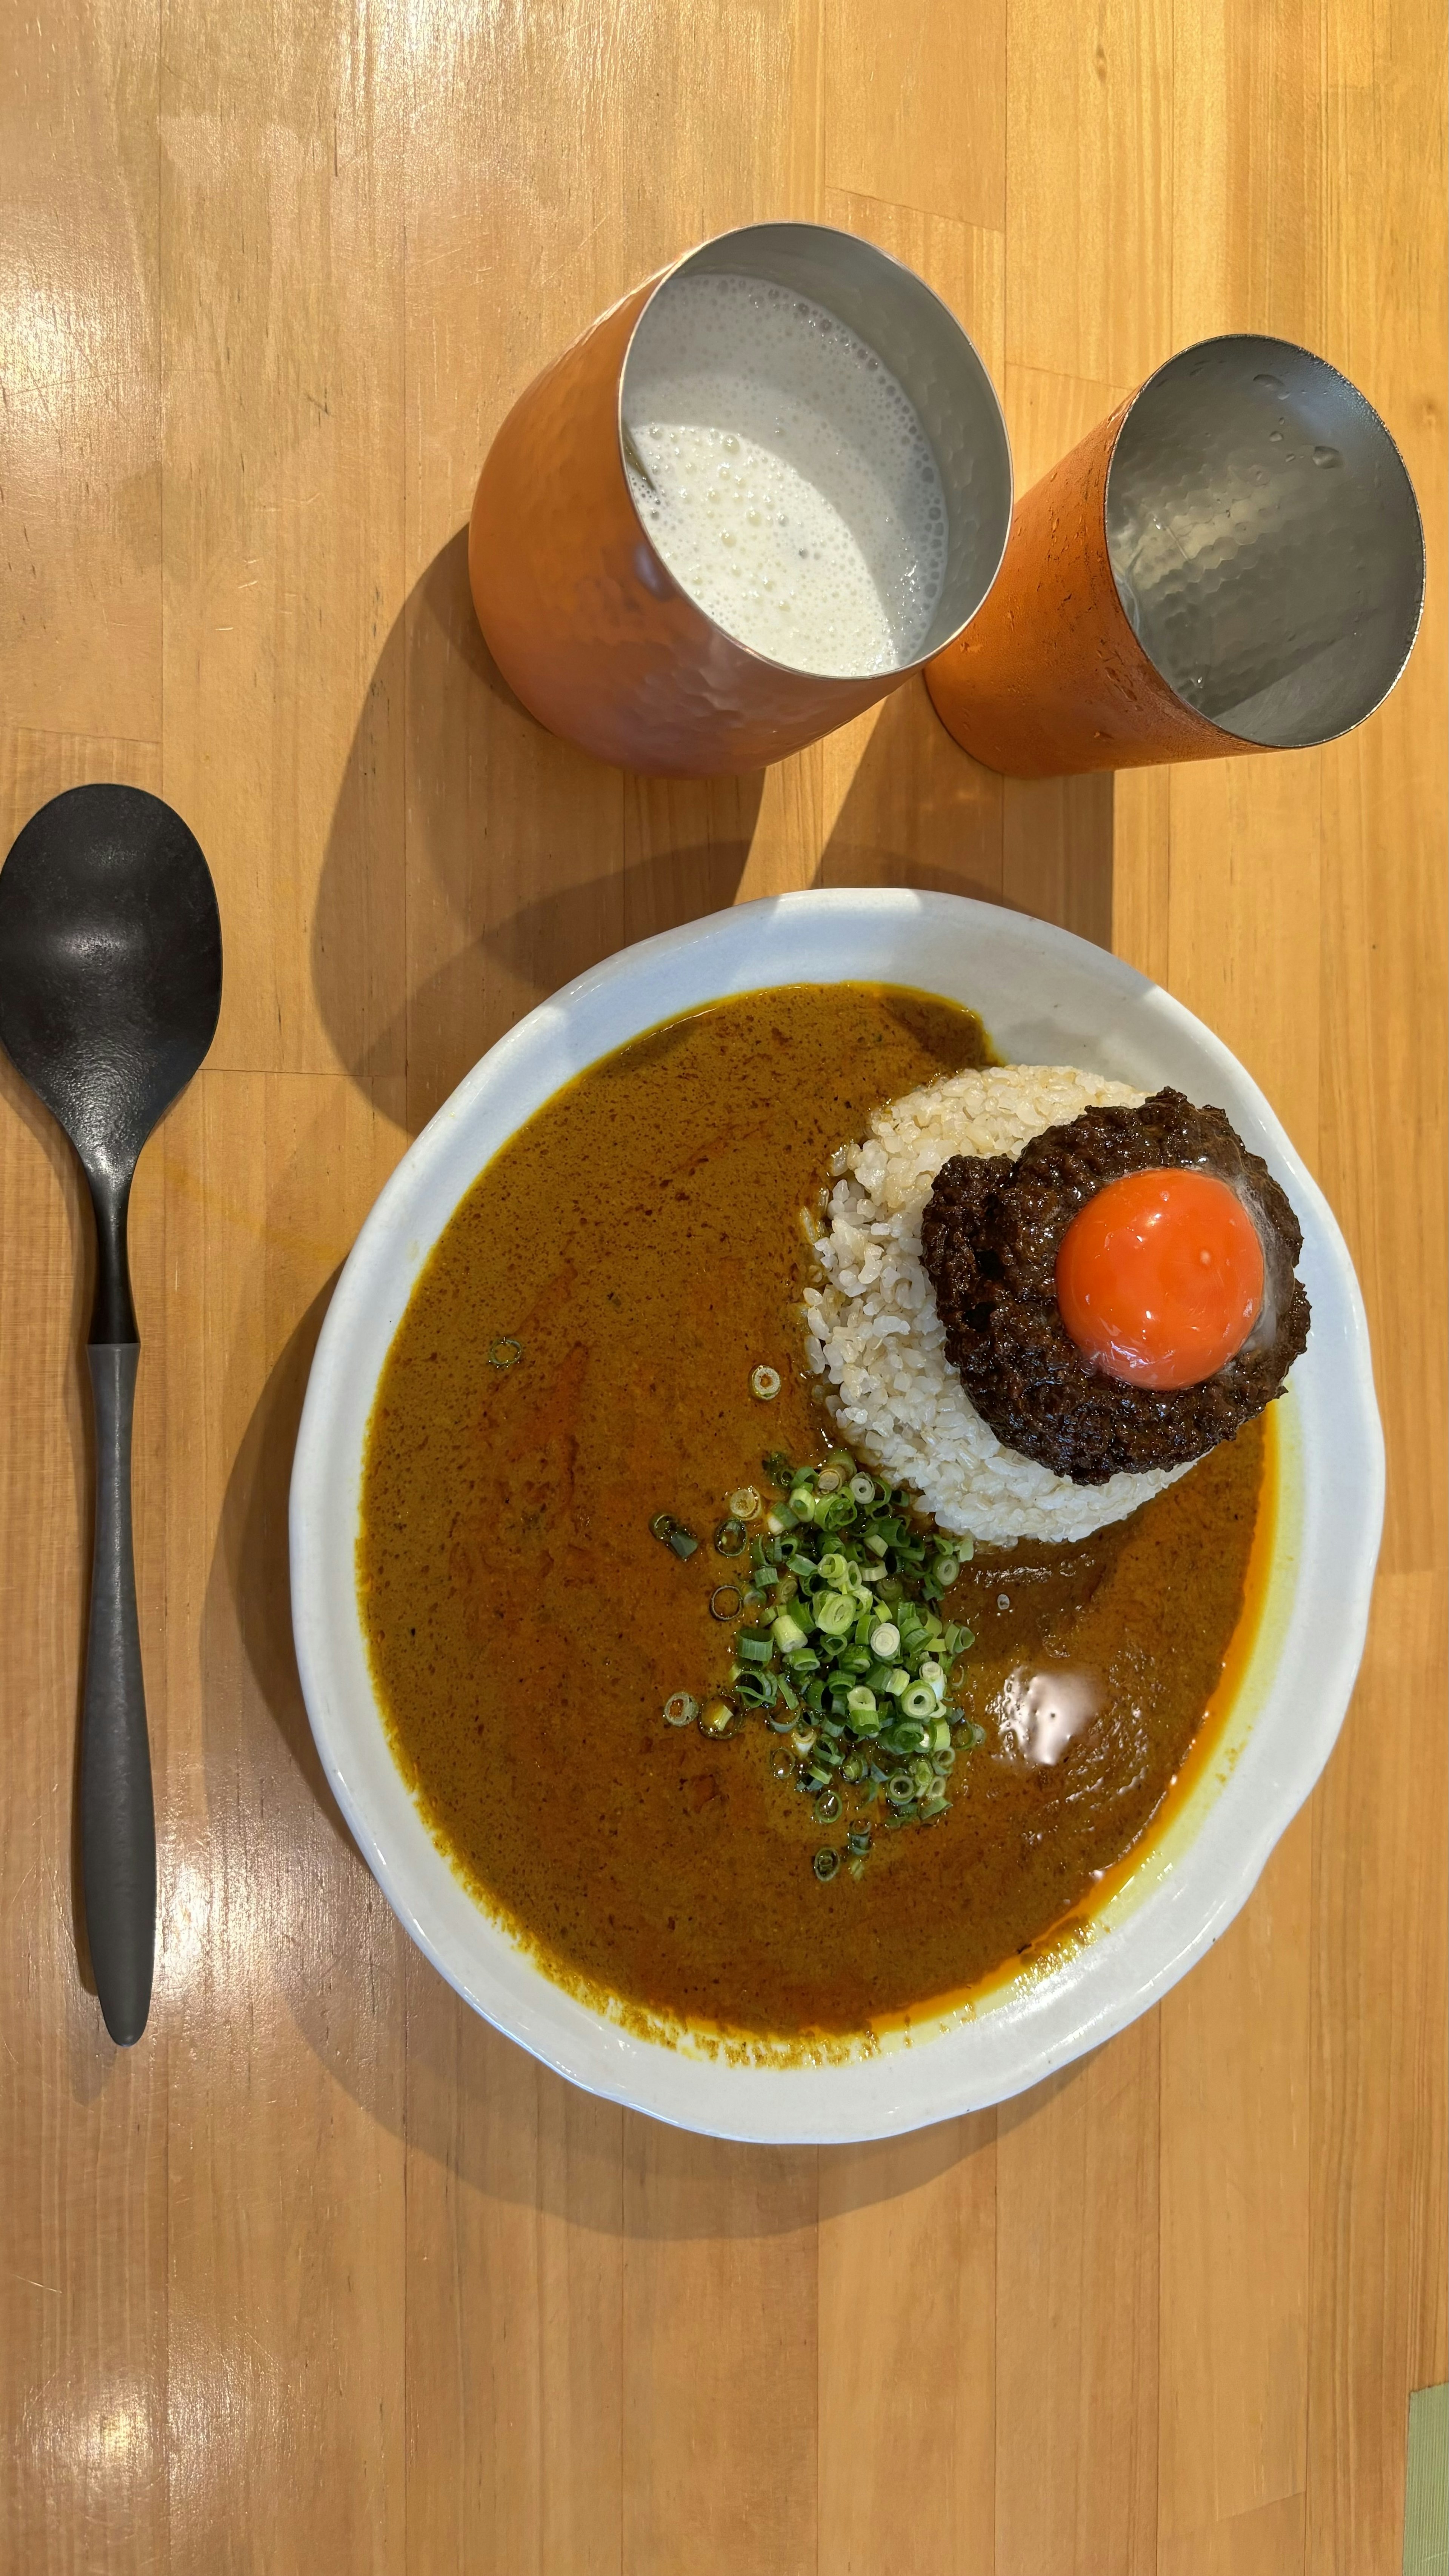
(1160, 1277)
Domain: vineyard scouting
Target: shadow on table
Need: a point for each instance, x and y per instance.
(919, 812)
(477, 862)
(309, 1920)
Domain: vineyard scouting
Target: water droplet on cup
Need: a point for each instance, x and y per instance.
(1274, 384)
(1326, 456)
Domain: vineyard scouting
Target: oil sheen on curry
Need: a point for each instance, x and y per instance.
(701, 1629)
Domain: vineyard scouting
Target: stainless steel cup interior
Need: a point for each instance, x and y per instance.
(933, 361)
(1265, 540)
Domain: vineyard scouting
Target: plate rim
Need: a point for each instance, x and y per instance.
(311, 1530)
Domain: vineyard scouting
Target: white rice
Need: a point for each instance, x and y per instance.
(872, 1326)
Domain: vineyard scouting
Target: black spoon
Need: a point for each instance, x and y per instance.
(110, 985)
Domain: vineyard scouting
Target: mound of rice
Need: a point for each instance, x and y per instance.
(872, 1327)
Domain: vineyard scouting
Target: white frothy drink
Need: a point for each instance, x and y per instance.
(788, 483)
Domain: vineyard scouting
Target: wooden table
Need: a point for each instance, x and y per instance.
(324, 2277)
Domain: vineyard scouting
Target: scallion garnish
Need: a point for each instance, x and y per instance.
(674, 1535)
(681, 1709)
(845, 1650)
(764, 1384)
(505, 1353)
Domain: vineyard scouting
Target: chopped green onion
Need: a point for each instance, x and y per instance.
(765, 1384)
(505, 1353)
(834, 1614)
(825, 1864)
(846, 1655)
(681, 1709)
(663, 1526)
(754, 1689)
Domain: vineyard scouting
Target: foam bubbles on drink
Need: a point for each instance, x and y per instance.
(788, 483)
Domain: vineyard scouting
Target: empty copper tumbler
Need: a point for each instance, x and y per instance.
(1234, 561)
(584, 619)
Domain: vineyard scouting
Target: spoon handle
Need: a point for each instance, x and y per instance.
(118, 1827)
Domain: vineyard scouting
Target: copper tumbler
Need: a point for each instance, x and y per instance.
(1234, 561)
(583, 617)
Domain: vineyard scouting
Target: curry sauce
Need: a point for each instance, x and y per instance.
(576, 1360)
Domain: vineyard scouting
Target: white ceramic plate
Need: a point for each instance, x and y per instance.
(1046, 998)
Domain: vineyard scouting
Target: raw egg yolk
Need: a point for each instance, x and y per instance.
(1160, 1277)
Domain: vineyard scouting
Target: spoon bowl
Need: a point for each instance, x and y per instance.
(110, 988)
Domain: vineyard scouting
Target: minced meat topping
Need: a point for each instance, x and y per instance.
(990, 1237)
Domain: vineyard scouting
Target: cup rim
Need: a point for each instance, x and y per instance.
(652, 286)
(1296, 349)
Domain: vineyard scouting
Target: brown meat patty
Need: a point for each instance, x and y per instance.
(990, 1237)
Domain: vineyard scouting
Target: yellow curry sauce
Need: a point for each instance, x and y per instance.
(631, 1255)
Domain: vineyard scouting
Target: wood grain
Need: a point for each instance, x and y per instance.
(80, 349)
(326, 2276)
(1077, 2316)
